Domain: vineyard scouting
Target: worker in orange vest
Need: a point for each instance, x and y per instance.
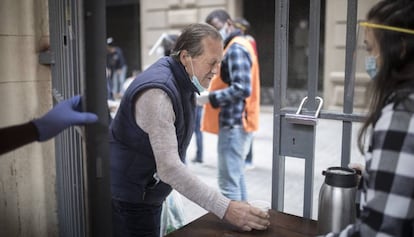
(232, 105)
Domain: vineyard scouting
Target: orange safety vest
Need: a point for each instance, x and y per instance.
(210, 120)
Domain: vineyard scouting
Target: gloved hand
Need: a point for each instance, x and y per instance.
(63, 115)
(202, 98)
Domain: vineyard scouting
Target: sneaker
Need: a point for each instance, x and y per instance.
(249, 166)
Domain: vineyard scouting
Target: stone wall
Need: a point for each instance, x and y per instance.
(27, 175)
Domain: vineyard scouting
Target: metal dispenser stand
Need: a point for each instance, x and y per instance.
(298, 140)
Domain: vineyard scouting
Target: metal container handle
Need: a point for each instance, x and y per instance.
(317, 110)
(303, 119)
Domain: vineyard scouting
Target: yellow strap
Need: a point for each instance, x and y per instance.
(385, 27)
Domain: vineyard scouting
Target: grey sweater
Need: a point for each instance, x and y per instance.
(155, 115)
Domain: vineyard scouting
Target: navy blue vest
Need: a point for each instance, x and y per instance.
(132, 159)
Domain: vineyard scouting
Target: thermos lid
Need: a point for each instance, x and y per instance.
(340, 177)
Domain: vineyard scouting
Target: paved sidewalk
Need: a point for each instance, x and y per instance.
(259, 179)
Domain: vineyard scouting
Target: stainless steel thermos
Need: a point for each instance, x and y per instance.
(336, 207)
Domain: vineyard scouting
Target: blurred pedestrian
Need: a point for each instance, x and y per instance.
(232, 105)
(128, 81)
(199, 135)
(116, 64)
(168, 43)
(244, 25)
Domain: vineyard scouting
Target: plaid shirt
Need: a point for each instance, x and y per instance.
(235, 71)
(387, 198)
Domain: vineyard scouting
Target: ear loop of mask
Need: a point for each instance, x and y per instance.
(194, 79)
(223, 31)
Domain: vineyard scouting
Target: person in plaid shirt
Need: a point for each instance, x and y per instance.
(387, 185)
(232, 105)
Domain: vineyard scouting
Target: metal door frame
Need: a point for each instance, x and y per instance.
(78, 59)
(281, 71)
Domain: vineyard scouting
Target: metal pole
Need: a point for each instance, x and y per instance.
(97, 146)
(280, 78)
(349, 84)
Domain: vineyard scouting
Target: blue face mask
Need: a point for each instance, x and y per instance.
(195, 81)
(223, 32)
(371, 66)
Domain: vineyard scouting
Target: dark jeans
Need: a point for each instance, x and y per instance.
(109, 88)
(133, 219)
(199, 134)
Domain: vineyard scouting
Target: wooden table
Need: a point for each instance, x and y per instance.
(281, 225)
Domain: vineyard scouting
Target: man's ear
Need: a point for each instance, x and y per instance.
(183, 57)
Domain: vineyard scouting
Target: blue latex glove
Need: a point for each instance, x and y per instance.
(62, 116)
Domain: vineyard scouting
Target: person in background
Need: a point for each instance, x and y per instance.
(199, 135)
(63, 115)
(387, 135)
(150, 134)
(113, 104)
(117, 67)
(232, 105)
(128, 81)
(244, 26)
(168, 43)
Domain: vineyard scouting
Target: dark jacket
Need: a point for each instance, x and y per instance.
(132, 159)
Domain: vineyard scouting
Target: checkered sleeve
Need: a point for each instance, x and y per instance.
(388, 188)
(235, 68)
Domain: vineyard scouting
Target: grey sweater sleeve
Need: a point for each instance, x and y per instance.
(154, 114)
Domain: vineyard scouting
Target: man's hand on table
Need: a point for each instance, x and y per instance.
(246, 217)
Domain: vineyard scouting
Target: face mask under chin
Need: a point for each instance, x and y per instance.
(197, 84)
(195, 80)
(223, 32)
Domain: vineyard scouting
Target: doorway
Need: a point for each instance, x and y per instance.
(123, 24)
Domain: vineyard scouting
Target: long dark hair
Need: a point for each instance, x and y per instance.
(396, 71)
